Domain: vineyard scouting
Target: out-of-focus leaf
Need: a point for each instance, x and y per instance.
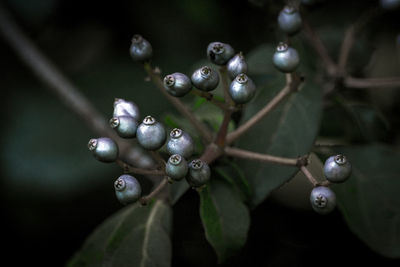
(135, 236)
(370, 199)
(225, 218)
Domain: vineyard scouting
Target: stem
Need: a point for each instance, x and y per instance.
(156, 79)
(223, 130)
(130, 169)
(240, 153)
(210, 97)
(361, 83)
(144, 200)
(225, 86)
(161, 162)
(320, 48)
(309, 176)
(291, 85)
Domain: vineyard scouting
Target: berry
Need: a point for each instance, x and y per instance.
(125, 108)
(285, 58)
(104, 149)
(242, 89)
(176, 167)
(199, 173)
(390, 4)
(236, 65)
(127, 189)
(140, 49)
(205, 79)
(289, 20)
(125, 126)
(177, 84)
(337, 169)
(180, 143)
(219, 53)
(151, 134)
(323, 199)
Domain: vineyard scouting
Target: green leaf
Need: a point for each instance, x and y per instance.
(288, 131)
(135, 236)
(370, 199)
(225, 218)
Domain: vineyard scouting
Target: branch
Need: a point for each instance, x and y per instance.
(130, 169)
(361, 83)
(320, 48)
(144, 200)
(156, 79)
(244, 154)
(225, 86)
(223, 130)
(309, 176)
(291, 86)
(210, 97)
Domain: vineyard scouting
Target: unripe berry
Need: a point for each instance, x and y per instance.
(242, 89)
(285, 58)
(219, 53)
(123, 107)
(199, 173)
(337, 169)
(390, 4)
(323, 200)
(205, 79)
(289, 20)
(127, 189)
(104, 149)
(151, 134)
(180, 143)
(140, 49)
(177, 167)
(236, 65)
(177, 84)
(125, 126)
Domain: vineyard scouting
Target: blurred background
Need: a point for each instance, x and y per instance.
(54, 193)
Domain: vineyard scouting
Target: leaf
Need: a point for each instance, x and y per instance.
(134, 236)
(177, 189)
(225, 218)
(288, 131)
(370, 199)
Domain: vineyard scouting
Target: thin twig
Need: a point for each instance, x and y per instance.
(225, 86)
(349, 37)
(144, 200)
(130, 169)
(291, 85)
(210, 97)
(223, 130)
(361, 83)
(320, 48)
(249, 155)
(156, 79)
(309, 176)
(161, 162)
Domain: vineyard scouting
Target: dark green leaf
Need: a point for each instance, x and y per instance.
(177, 189)
(288, 131)
(135, 236)
(370, 199)
(225, 218)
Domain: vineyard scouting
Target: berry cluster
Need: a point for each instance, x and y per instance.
(151, 134)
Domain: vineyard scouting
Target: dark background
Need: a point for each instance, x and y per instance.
(53, 193)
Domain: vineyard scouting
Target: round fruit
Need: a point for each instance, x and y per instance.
(323, 200)
(126, 108)
(104, 149)
(140, 49)
(242, 89)
(177, 84)
(236, 65)
(289, 20)
(337, 169)
(180, 143)
(176, 167)
(151, 134)
(219, 53)
(205, 79)
(199, 173)
(285, 58)
(125, 126)
(127, 189)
